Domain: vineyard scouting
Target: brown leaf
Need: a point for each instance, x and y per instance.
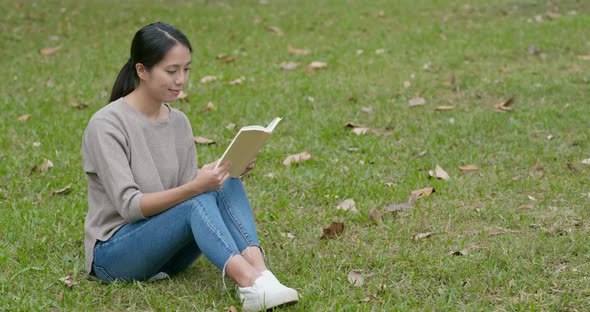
(230, 59)
(417, 101)
(232, 309)
(450, 81)
(407, 84)
(375, 215)
(50, 51)
(468, 168)
(553, 15)
(355, 278)
(209, 107)
(361, 130)
(297, 158)
(288, 235)
(366, 110)
(207, 79)
(292, 50)
(275, 29)
(461, 252)
(24, 117)
(182, 95)
(69, 281)
(504, 106)
(527, 207)
(347, 204)
(423, 193)
(60, 297)
(46, 165)
(238, 81)
(75, 104)
(333, 231)
(438, 173)
(418, 236)
(230, 126)
(444, 108)
(203, 140)
(352, 124)
(316, 65)
(380, 14)
(62, 191)
(289, 65)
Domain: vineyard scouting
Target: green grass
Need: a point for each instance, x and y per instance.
(519, 259)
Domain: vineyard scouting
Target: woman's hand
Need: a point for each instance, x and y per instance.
(210, 178)
(249, 167)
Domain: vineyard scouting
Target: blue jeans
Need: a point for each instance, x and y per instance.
(218, 224)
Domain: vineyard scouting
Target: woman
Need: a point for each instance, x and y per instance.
(151, 211)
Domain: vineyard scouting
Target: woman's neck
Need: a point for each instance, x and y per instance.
(145, 104)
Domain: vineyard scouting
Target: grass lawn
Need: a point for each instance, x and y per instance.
(511, 235)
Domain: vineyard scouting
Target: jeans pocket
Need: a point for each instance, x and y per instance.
(102, 274)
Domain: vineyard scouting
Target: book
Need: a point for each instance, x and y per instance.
(245, 146)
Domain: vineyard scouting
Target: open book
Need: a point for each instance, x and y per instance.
(245, 146)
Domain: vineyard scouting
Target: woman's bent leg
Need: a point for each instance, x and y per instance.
(139, 250)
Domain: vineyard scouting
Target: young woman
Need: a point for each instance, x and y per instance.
(151, 211)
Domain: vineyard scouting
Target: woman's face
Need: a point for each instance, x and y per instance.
(165, 80)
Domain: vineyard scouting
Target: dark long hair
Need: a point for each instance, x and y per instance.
(149, 46)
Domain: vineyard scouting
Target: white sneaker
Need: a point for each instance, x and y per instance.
(266, 293)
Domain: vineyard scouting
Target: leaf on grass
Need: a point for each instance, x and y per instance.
(229, 59)
(417, 101)
(584, 57)
(438, 173)
(347, 204)
(297, 158)
(36, 144)
(450, 81)
(552, 15)
(24, 117)
(418, 236)
(203, 140)
(238, 81)
(352, 124)
(380, 14)
(182, 95)
(423, 193)
(468, 168)
(46, 165)
(75, 104)
(462, 252)
(366, 110)
(504, 106)
(69, 281)
(232, 309)
(315, 66)
(408, 205)
(355, 278)
(289, 65)
(230, 126)
(209, 107)
(375, 215)
(62, 191)
(361, 130)
(586, 161)
(288, 235)
(208, 79)
(275, 30)
(333, 231)
(444, 108)
(51, 50)
(407, 84)
(526, 207)
(295, 51)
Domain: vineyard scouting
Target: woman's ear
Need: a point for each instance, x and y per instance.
(142, 72)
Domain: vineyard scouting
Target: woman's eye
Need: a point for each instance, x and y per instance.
(187, 69)
(171, 71)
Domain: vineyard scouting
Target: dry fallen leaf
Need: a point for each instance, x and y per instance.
(527, 207)
(407, 84)
(418, 236)
(75, 104)
(297, 158)
(182, 95)
(275, 29)
(24, 117)
(450, 81)
(316, 65)
(417, 101)
(209, 107)
(69, 281)
(410, 204)
(297, 51)
(203, 140)
(366, 110)
(347, 204)
(461, 252)
(230, 126)
(289, 65)
(352, 124)
(468, 168)
(333, 231)
(444, 108)
(238, 81)
(288, 235)
(63, 191)
(207, 79)
(50, 51)
(504, 106)
(355, 278)
(232, 309)
(46, 165)
(361, 130)
(375, 215)
(423, 193)
(553, 15)
(586, 161)
(438, 173)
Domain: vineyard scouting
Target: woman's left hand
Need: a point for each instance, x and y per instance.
(249, 167)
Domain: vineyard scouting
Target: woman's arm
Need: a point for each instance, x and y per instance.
(208, 179)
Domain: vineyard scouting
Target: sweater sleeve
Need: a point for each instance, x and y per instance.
(106, 153)
(188, 170)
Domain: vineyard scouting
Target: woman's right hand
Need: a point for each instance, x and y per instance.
(210, 178)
